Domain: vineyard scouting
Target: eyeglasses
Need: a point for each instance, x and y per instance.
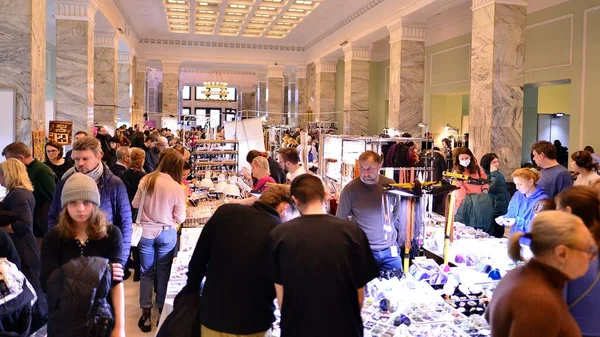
(592, 250)
(51, 151)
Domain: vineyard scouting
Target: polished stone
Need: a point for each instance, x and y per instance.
(325, 101)
(170, 89)
(105, 86)
(302, 98)
(356, 97)
(75, 73)
(249, 104)
(139, 92)
(23, 62)
(407, 85)
(275, 102)
(497, 79)
(124, 93)
(262, 98)
(311, 91)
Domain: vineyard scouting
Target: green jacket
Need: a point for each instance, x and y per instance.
(477, 211)
(44, 181)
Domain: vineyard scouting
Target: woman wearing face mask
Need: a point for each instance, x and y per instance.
(521, 206)
(466, 164)
(490, 164)
(529, 299)
(583, 294)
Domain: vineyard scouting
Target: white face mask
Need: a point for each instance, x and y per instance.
(465, 163)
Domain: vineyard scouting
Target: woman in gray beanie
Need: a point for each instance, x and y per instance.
(82, 230)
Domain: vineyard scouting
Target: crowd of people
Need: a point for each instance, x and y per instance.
(67, 223)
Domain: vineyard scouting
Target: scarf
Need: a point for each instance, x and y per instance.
(95, 174)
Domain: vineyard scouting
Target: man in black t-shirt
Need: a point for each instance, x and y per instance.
(232, 251)
(320, 265)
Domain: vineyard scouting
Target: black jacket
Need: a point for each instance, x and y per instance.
(151, 161)
(77, 293)
(118, 169)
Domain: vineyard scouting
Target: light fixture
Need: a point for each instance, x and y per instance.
(207, 182)
(559, 114)
(450, 128)
(422, 125)
(232, 189)
(216, 83)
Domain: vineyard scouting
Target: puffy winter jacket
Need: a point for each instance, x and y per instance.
(498, 189)
(114, 202)
(77, 293)
(521, 209)
(477, 211)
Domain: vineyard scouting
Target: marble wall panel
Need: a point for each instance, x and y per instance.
(275, 103)
(75, 73)
(407, 85)
(262, 98)
(105, 86)
(139, 91)
(170, 97)
(248, 104)
(302, 102)
(325, 100)
(23, 62)
(124, 94)
(311, 91)
(497, 79)
(356, 98)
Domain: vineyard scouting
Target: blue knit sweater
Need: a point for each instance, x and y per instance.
(521, 209)
(587, 312)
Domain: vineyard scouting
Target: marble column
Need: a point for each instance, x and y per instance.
(23, 63)
(407, 76)
(170, 88)
(292, 100)
(301, 96)
(497, 79)
(262, 94)
(325, 90)
(356, 89)
(275, 95)
(248, 101)
(124, 114)
(75, 62)
(106, 79)
(139, 92)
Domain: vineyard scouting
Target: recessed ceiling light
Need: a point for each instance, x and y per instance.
(205, 18)
(177, 10)
(232, 20)
(296, 10)
(262, 15)
(272, 1)
(206, 12)
(176, 2)
(203, 3)
(234, 13)
(302, 2)
(238, 6)
(290, 17)
(177, 17)
(265, 8)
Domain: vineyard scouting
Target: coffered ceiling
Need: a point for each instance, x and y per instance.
(292, 22)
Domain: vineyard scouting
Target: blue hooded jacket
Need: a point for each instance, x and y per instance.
(521, 209)
(114, 203)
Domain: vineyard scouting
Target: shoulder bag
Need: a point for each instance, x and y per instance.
(136, 233)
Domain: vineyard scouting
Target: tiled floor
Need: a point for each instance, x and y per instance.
(133, 311)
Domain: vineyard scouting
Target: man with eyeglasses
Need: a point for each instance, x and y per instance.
(361, 202)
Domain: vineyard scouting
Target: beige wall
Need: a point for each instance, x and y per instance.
(554, 98)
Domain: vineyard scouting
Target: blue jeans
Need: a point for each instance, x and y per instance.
(385, 261)
(156, 257)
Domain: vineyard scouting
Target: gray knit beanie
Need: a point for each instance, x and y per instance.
(80, 187)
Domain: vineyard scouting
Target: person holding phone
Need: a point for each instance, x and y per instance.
(521, 206)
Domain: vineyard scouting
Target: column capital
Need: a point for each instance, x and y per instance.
(80, 10)
(262, 76)
(275, 71)
(325, 66)
(405, 30)
(140, 65)
(301, 72)
(357, 52)
(170, 67)
(106, 39)
(477, 4)
(126, 57)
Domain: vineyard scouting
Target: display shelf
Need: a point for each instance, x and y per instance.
(213, 152)
(223, 155)
(215, 163)
(216, 141)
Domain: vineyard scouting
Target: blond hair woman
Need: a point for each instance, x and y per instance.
(18, 222)
(529, 300)
(261, 171)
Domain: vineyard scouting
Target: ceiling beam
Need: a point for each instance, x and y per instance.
(288, 4)
(250, 17)
(224, 5)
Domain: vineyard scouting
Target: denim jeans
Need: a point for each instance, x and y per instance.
(385, 261)
(156, 257)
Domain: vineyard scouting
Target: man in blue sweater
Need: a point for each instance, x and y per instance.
(555, 177)
(113, 194)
